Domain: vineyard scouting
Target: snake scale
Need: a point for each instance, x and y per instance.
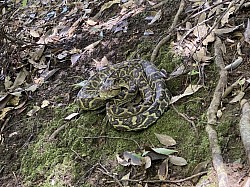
(133, 92)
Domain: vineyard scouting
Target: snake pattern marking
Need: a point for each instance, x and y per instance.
(133, 92)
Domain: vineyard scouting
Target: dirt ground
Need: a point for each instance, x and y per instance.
(28, 155)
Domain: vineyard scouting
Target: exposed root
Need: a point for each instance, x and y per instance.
(211, 117)
(166, 38)
(215, 103)
(245, 126)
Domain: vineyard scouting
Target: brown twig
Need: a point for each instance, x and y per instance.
(111, 176)
(112, 137)
(166, 39)
(167, 181)
(186, 118)
(56, 132)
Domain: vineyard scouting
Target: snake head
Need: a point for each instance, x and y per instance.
(109, 89)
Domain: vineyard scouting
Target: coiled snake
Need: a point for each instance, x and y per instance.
(133, 92)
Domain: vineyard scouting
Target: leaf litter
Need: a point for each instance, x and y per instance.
(42, 29)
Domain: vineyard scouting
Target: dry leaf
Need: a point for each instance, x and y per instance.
(225, 30)
(100, 64)
(7, 82)
(191, 89)
(122, 161)
(200, 55)
(91, 22)
(163, 170)
(69, 117)
(147, 161)
(4, 112)
(21, 76)
(225, 18)
(165, 139)
(45, 103)
(74, 58)
(33, 111)
(247, 32)
(34, 33)
(209, 38)
(178, 161)
(200, 31)
(156, 17)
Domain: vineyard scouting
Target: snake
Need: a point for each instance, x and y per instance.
(134, 94)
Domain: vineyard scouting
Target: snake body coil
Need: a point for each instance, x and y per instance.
(134, 93)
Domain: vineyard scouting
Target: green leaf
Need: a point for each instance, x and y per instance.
(164, 151)
(193, 72)
(24, 3)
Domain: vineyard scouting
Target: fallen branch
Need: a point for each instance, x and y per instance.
(112, 137)
(245, 126)
(211, 117)
(167, 181)
(166, 39)
(56, 132)
(187, 119)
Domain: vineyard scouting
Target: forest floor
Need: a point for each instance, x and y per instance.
(47, 48)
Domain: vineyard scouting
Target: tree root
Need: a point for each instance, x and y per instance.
(245, 126)
(166, 38)
(211, 117)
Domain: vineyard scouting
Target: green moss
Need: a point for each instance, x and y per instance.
(68, 157)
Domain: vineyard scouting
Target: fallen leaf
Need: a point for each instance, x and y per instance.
(200, 55)
(21, 76)
(178, 161)
(4, 112)
(226, 30)
(91, 22)
(4, 100)
(247, 32)
(225, 18)
(125, 178)
(74, 58)
(45, 103)
(156, 17)
(163, 170)
(133, 158)
(34, 33)
(200, 31)
(32, 88)
(106, 6)
(191, 89)
(69, 117)
(147, 161)
(148, 32)
(153, 155)
(33, 111)
(164, 151)
(100, 64)
(122, 161)
(165, 139)
(7, 83)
